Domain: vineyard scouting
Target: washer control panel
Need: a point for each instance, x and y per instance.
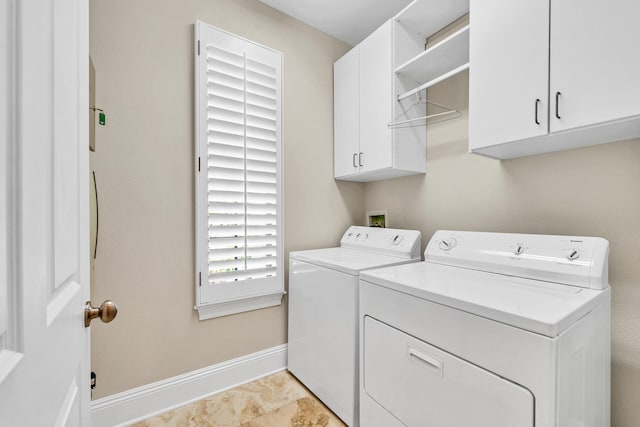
(390, 241)
(571, 260)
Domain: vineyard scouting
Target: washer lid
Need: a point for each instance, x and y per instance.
(541, 307)
(348, 261)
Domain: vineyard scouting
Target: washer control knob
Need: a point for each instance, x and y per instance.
(357, 235)
(448, 243)
(573, 254)
(519, 250)
(397, 239)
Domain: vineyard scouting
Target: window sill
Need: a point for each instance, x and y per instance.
(240, 305)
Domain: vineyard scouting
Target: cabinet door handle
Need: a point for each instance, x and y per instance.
(557, 102)
(537, 103)
(354, 160)
(360, 159)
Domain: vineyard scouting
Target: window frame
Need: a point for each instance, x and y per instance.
(235, 297)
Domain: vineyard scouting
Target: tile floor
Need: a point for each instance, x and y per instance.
(278, 400)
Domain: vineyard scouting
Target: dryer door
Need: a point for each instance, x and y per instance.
(421, 385)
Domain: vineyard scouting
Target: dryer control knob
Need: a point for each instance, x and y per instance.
(448, 244)
(519, 249)
(573, 254)
(397, 239)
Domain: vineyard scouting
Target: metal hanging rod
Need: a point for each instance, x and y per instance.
(425, 118)
(449, 111)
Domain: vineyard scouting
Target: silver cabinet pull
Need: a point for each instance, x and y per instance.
(360, 159)
(537, 104)
(557, 102)
(354, 160)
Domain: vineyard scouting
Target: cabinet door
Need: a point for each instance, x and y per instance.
(508, 79)
(376, 98)
(346, 114)
(594, 61)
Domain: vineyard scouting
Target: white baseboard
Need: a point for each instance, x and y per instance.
(156, 398)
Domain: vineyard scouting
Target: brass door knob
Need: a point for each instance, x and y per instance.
(106, 312)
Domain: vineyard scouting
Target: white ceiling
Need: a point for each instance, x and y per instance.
(347, 20)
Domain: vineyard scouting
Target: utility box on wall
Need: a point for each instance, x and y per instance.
(378, 219)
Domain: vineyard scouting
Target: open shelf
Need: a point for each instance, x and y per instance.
(427, 17)
(439, 59)
(433, 82)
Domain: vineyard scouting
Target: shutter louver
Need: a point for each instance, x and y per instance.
(241, 166)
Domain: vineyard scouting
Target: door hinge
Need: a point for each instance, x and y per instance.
(93, 380)
(198, 47)
(200, 278)
(198, 164)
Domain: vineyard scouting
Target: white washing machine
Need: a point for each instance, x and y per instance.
(492, 330)
(323, 303)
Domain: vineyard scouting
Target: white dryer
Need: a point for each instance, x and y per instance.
(492, 330)
(323, 303)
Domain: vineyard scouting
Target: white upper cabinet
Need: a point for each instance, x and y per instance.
(508, 81)
(376, 100)
(552, 75)
(365, 147)
(380, 113)
(595, 61)
(346, 121)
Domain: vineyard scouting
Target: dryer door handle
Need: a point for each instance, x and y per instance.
(428, 361)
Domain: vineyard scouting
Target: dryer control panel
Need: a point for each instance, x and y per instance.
(388, 241)
(571, 260)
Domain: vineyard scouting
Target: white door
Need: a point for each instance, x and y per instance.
(346, 114)
(43, 341)
(376, 100)
(594, 61)
(509, 75)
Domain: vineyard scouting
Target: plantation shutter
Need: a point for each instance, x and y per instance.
(239, 149)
